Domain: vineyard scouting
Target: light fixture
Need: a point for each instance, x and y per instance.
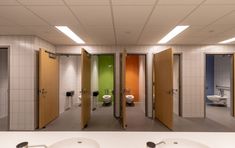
(227, 41)
(173, 33)
(68, 32)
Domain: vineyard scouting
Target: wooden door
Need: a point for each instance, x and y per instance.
(48, 87)
(86, 88)
(233, 92)
(163, 65)
(123, 89)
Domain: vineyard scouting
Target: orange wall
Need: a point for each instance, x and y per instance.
(132, 75)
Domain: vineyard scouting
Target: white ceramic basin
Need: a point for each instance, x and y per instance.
(216, 97)
(180, 143)
(129, 98)
(76, 143)
(107, 98)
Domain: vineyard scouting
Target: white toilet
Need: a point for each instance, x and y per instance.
(129, 99)
(107, 99)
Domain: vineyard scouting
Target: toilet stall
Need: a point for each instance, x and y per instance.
(4, 84)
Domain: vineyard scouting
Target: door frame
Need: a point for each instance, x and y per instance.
(8, 88)
(180, 112)
(232, 113)
(146, 78)
(114, 79)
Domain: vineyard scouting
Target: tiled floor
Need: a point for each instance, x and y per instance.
(102, 119)
(3, 124)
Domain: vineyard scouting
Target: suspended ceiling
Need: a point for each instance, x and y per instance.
(120, 22)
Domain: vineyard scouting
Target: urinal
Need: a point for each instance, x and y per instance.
(176, 143)
(67, 143)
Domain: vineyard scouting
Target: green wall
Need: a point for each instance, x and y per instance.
(106, 74)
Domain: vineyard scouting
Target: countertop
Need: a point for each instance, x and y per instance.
(117, 139)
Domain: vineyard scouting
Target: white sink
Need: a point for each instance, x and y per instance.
(216, 97)
(75, 143)
(179, 143)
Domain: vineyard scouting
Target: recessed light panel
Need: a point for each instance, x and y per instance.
(173, 33)
(68, 32)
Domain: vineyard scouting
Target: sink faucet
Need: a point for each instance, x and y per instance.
(221, 92)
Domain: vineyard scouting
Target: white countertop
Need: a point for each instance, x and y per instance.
(116, 139)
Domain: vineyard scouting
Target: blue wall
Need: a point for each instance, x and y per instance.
(209, 75)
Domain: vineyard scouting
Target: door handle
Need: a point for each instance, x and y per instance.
(171, 92)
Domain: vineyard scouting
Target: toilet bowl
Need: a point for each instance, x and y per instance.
(107, 99)
(129, 99)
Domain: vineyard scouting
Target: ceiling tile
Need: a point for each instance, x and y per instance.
(20, 15)
(9, 2)
(41, 2)
(162, 15)
(227, 20)
(13, 30)
(101, 35)
(93, 15)
(207, 14)
(213, 30)
(132, 16)
(152, 35)
(189, 40)
(60, 15)
(87, 2)
(5, 22)
(133, 2)
(180, 2)
(220, 2)
(127, 35)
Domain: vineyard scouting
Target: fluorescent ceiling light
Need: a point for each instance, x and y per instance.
(70, 34)
(177, 30)
(227, 41)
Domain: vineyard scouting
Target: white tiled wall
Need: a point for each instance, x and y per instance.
(222, 74)
(142, 81)
(69, 80)
(193, 59)
(23, 79)
(3, 83)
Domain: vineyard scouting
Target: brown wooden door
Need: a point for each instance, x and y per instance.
(163, 65)
(123, 89)
(86, 88)
(48, 87)
(233, 78)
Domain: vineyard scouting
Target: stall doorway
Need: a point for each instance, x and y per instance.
(177, 90)
(219, 84)
(135, 90)
(103, 93)
(4, 87)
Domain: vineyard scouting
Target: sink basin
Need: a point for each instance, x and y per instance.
(67, 143)
(75, 143)
(216, 97)
(179, 143)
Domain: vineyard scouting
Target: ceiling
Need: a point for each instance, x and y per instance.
(120, 22)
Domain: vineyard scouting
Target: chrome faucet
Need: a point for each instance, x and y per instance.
(221, 92)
